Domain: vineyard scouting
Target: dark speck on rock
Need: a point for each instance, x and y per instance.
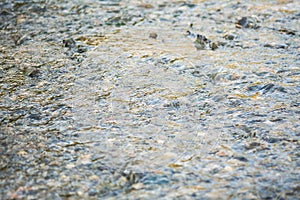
(242, 22)
(34, 73)
(241, 158)
(229, 37)
(153, 35)
(70, 43)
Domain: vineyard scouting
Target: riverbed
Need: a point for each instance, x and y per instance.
(129, 99)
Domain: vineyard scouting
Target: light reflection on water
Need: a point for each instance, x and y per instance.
(143, 99)
(152, 112)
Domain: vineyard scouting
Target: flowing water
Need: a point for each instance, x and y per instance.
(115, 100)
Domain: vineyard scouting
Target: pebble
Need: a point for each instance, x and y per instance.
(153, 35)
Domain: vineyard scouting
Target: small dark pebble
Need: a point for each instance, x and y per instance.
(213, 45)
(276, 120)
(202, 42)
(173, 104)
(281, 89)
(270, 62)
(267, 88)
(252, 145)
(81, 49)
(190, 5)
(215, 170)
(153, 35)
(264, 88)
(241, 158)
(70, 43)
(228, 37)
(276, 46)
(133, 177)
(242, 22)
(273, 140)
(34, 73)
(35, 116)
(92, 192)
(288, 32)
(247, 22)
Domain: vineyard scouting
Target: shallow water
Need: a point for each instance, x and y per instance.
(94, 105)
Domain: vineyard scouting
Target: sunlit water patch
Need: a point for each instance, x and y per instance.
(141, 111)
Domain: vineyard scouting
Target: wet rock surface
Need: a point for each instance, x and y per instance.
(114, 100)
